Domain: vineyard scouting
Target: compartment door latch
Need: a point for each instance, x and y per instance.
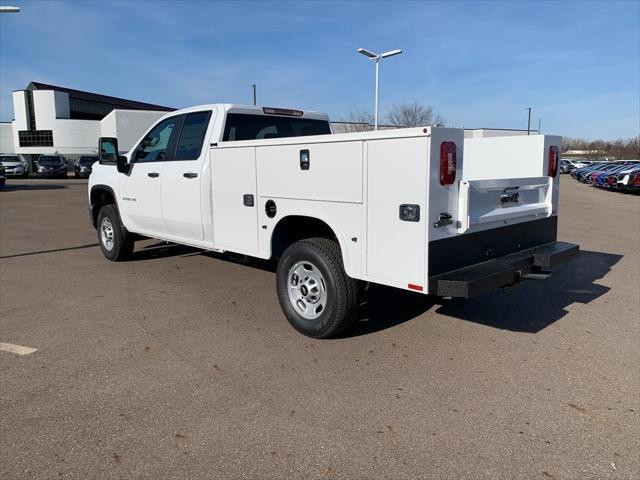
(443, 219)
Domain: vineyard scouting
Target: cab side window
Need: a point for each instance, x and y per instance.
(155, 144)
(192, 135)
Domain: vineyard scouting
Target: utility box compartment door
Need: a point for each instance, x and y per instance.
(396, 175)
(332, 173)
(235, 220)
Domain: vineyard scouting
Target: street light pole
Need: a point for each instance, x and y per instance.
(254, 93)
(377, 58)
(529, 121)
(375, 118)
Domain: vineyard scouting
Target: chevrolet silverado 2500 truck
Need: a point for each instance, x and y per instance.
(420, 209)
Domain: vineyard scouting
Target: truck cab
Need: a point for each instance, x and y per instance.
(161, 195)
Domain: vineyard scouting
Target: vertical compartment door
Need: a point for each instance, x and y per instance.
(397, 175)
(235, 214)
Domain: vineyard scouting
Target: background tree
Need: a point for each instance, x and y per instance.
(620, 149)
(357, 121)
(412, 115)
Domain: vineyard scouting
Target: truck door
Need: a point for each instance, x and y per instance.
(235, 199)
(182, 178)
(139, 203)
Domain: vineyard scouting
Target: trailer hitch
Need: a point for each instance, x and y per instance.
(536, 275)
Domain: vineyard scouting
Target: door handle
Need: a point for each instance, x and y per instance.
(189, 175)
(153, 174)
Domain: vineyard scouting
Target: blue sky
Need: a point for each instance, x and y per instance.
(479, 63)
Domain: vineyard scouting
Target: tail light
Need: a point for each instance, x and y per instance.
(611, 180)
(447, 163)
(553, 160)
(636, 180)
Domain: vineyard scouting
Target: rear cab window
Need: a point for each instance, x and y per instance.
(192, 135)
(241, 126)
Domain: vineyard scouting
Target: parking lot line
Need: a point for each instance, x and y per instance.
(17, 349)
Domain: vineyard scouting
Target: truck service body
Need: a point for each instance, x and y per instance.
(420, 209)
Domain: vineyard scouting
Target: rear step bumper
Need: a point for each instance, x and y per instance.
(501, 272)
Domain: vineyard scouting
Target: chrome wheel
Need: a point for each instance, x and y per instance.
(106, 233)
(307, 290)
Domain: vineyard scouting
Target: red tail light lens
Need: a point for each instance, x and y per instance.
(636, 180)
(553, 160)
(447, 163)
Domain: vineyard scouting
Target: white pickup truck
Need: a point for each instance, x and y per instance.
(420, 209)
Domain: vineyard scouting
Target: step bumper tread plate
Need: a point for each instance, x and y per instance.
(500, 272)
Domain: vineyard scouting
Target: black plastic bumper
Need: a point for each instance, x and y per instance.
(501, 272)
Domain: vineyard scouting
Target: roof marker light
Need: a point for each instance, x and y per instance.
(282, 111)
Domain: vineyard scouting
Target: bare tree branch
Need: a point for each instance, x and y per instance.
(413, 115)
(356, 121)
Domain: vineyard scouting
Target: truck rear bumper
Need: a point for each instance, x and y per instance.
(501, 272)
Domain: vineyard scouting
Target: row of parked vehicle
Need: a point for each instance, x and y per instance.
(618, 175)
(46, 166)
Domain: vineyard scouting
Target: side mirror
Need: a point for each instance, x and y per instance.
(108, 151)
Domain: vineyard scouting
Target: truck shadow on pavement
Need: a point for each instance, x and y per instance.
(529, 308)
(14, 187)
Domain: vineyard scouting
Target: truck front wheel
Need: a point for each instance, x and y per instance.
(315, 293)
(115, 242)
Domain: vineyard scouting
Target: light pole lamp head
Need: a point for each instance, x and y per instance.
(391, 53)
(367, 53)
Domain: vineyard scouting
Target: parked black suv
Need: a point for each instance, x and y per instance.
(51, 166)
(83, 166)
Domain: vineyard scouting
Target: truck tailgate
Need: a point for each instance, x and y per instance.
(501, 201)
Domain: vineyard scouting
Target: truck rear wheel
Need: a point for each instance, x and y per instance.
(115, 242)
(315, 293)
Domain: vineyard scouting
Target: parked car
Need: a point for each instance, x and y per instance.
(83, 166)
(599, 179)
(3, 176)
(570, 164)
(589, 172)
(633, 182)
(14, 165)
(627, 180)
(51, 166)
(566, 166)
(582, 173)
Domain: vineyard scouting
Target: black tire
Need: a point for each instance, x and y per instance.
(341, 305)
(122, 241)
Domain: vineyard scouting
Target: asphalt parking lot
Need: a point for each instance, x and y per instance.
(179, 364)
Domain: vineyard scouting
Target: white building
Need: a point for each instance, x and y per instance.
(58, 120)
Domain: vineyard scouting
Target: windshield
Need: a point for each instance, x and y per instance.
(87, 161)
(240, 126)
(49, 160)
(9, 158)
